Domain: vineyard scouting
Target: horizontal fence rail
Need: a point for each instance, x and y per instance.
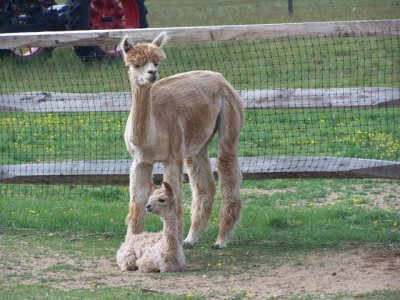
(201, 33)
(255, 99)
(116, 172)
(319, 108)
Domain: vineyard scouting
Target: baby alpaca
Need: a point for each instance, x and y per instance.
(161, 251)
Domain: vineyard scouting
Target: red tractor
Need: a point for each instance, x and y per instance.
(46, 15)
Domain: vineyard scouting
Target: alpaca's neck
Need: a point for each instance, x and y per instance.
(140, 114)
(170, 232)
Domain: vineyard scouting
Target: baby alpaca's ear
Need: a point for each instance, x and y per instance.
(153, 187)
(168, 188)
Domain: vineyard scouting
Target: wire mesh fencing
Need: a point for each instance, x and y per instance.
(321, 106)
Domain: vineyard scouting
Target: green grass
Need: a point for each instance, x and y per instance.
(299, 63)
(303, 63)
(367, 133)
(22, 291)
(210, 12)
(30, 291)
(378, 295)
(299, 215)
(282, 220)
(223, 12)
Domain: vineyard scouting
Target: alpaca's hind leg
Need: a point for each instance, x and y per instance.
(231, 204)
(203, 189)
(173, 174)
(139, 189)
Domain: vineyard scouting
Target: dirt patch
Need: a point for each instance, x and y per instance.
(384, 197)
(355, 271)
(266, 192)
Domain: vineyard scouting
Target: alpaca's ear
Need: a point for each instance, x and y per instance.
(168, 188)
(126, 44)
(160, 40)
(153, 187)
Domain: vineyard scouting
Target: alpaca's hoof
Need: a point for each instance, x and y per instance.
(217, 246)
(187, 245)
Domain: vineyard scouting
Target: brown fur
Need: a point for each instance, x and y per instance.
(143, 53)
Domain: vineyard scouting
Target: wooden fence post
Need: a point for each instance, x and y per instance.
(290, 7)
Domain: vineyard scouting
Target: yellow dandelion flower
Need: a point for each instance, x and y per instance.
(249, 295)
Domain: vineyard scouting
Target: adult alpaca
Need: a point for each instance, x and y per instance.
(173, 121)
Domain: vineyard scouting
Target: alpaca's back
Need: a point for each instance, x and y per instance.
(196, 98)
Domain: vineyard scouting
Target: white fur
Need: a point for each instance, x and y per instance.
(152, 252)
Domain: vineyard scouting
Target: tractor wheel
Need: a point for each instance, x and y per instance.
(104, 14)
(26, 52)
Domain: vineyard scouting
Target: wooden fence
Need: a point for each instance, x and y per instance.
(116, 171)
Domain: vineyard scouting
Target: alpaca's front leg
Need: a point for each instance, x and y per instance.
(139, 190)
(149, 262)
(173, 174)
(126, 258)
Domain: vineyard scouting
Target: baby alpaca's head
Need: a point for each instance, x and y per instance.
(162, 201)
(143, 59)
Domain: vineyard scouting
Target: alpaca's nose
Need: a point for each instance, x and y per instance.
(152, 75)
(149, 207)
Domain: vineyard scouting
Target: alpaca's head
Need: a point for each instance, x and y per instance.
(143, 59)
(162, 201)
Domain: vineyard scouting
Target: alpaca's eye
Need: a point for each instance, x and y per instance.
(156, 65)
(161, 200)
(137, 66)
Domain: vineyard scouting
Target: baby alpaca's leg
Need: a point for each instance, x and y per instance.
(126, 258)
(149, 262)
(171, 267)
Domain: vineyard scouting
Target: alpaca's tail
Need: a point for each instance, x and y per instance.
(230, 124)
(230, 121)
